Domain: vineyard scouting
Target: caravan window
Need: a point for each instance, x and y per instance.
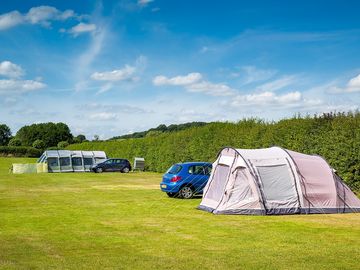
(88, 161)
(52, 161)
(64, 161)
(76, 161)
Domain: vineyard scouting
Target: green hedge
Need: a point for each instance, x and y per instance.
(333, 136)
(19, 151)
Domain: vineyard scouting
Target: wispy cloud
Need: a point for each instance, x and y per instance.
(125, 73)
(83, 63)
(277, 84)
(352, 86)
(266, 98)
(254, 74)
(212, 89)
(188, 79)
(143, 3)
(19, 86)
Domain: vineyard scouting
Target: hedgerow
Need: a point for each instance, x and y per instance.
(336, 137)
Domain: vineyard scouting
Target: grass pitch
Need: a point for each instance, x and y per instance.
(123, 221)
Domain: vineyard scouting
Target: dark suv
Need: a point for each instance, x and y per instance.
(112, 165)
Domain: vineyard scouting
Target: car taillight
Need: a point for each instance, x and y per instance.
(175, 179)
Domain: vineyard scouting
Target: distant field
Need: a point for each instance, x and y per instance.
(123, 221)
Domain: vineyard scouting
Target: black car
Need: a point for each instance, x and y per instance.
(112, 165)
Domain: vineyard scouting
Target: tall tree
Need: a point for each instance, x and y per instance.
(50, 133)
(5, 134)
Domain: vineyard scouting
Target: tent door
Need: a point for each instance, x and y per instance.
(217, 185)
(278, 188)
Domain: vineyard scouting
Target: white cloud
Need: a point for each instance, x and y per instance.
(277, 84)
(193, 83)
(10, 19)
(82, 28)
(144, 3)
(125, 73)
(103, 116)
(352, 86)
(266, 98)
(42, 15)
(213, 89)
(11, 70)
(19, 86)
(191, 78)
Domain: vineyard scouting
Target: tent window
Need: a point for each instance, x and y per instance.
(53, 162)
(277, 182)
(76, 161)
(64, 161)
(217, 185)
(88, 161)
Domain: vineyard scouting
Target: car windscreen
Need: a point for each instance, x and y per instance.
(174, 169)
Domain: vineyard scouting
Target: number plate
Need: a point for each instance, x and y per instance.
(163, 186)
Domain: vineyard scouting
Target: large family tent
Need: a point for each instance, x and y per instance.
(71, 161)
(275, 181)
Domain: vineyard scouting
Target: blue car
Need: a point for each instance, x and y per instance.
(184, 180)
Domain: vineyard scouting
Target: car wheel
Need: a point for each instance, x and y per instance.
(125, 170)
(172, 194)
(186, 192)
(99, 170)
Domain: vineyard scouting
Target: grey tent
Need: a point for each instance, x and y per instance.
(275, 181)
(71, 161)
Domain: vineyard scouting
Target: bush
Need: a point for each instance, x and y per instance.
(63, 144)
(39, 144)
(14, 142)
(19, 151)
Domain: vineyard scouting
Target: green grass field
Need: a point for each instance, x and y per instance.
(123, 221)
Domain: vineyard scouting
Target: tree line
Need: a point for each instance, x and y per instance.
(158, 130)
(335, 136)
(39, 136)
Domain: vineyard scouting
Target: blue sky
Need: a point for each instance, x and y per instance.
(114, 67)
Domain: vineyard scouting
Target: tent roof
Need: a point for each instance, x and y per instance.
(68, 153)
(263, 153)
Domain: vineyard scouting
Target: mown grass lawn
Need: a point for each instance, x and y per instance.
(123, 221)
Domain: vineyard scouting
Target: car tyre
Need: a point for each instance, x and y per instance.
(125, 170)
(99, 170)
(186, 192)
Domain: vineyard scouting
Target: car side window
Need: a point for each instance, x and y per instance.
(207, 170)
(110, 161)
(197, 169)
